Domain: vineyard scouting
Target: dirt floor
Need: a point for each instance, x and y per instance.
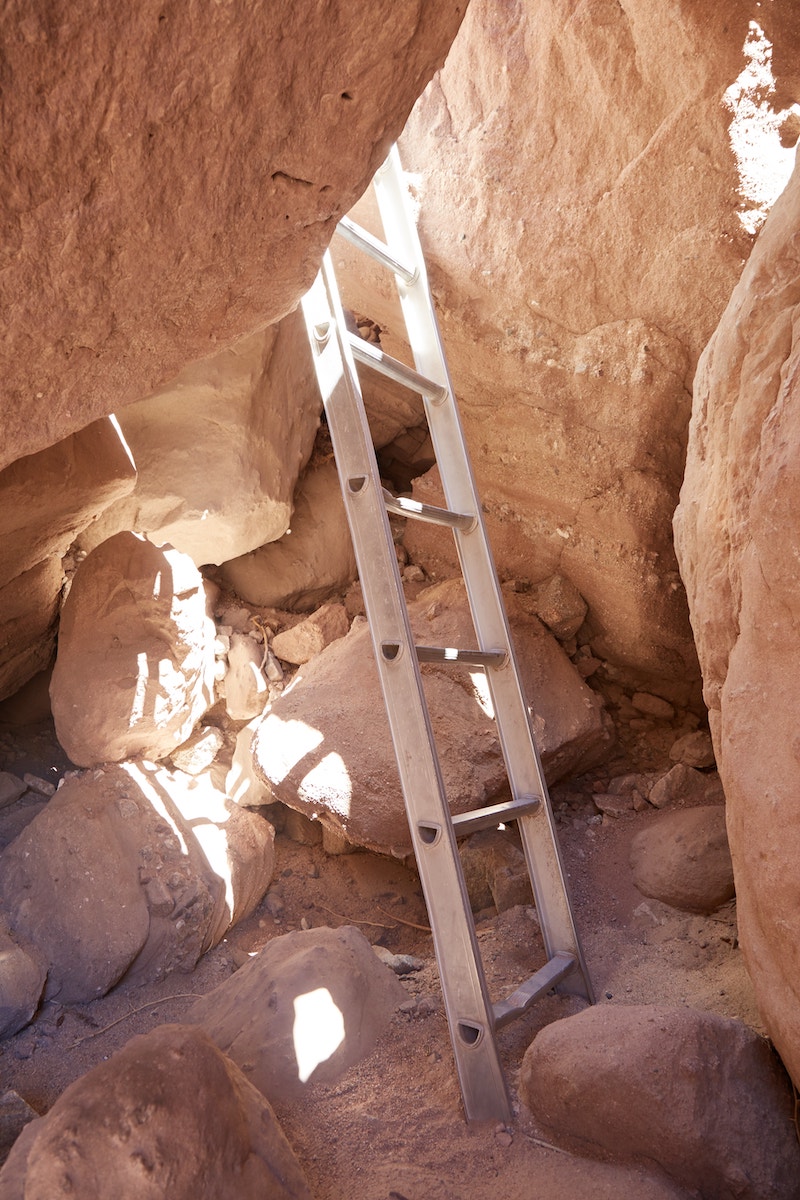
(392, 1128)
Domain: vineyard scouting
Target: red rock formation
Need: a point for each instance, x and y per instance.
(172, 174)
(738, 541)
(579, 207)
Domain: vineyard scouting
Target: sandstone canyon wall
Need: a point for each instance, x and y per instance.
(738, 539)
(585, 225)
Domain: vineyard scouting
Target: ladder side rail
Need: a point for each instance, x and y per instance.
(518, 743)
(468, 1006)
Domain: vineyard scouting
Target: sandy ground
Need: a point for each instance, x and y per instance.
(393, 1127)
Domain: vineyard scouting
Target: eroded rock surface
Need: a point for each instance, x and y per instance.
(738, 540)
(583, 230)
(699, 1094)
(169, 1115)
(305, 1009)
(312, 750)
(133, 870)
(173, 177)
(135, 664)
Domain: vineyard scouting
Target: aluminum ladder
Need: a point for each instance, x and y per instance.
(473, 1018)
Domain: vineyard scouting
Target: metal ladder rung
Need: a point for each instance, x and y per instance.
(376, 249)
(392, 368)
(495, 814)
(472, 658)
(559, 966)
(404, 507)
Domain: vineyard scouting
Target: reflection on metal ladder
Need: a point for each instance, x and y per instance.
(472, 1016)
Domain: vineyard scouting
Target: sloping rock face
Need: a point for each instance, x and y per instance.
(324, 746)
(172, 177)
(738, 541)
(169, 1115)
(219, 449)
(583, 236)
(135, 664)
(45, 499)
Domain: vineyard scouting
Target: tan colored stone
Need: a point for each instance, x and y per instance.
(46, 499)
(737, 538)
(560, 605)
(242, 784)
(313, 560)
(29, 608)
(199, 751)
(685, 785)
(305, 1009)
(11, 788)
(173, 178)
(324, 746)
(300, 643)
(169, 1115)
(22, 979)
(495, 871)
(135, 663)
(580, 257)
(218, 449)
(701, 1095)
(131, 870)
(693, 750)
(246, 688)
(682, 859)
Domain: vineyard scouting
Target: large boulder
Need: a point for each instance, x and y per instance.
(173, 176)
(169, 1115)
(135, 664)
(309, 1006)
(738, 540)
(131, 870)
(701, 1095)
(580, 203)
(312, 751)
(22, 977)
(218, 449)
(682, 858)
(46, 499)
